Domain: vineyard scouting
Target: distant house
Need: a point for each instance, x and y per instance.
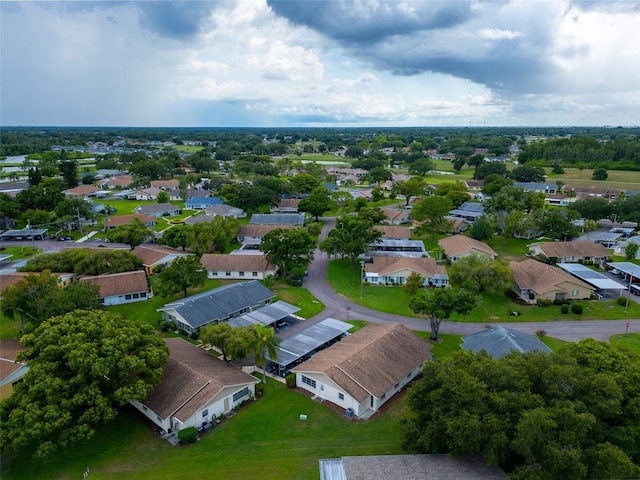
(405, 467)
(195, 389)
(295, 219)
(559, 199)
(534, 281)
(237, 267)
(286, 205)
(392, 270)
(150, 193)
(468, 211)
(199, 203)
(81, 191)
(12, 372)
(119, 288)
(396, 216)
(254, 233)
(394, 232)
(217, 305)
(154, 257)
(499, 341)
(159, 210)
(538, 187)
(458, 246)
(387, 247)
(117, 220)
(569, 252)
(223, 210)
(166, 184)
(365, 369)
(116, 182)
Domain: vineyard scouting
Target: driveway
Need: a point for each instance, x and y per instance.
(336, 307)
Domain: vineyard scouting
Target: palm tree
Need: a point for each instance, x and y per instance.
(266, 342)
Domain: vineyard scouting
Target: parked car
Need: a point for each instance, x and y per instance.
(614, 271)
(64, 239)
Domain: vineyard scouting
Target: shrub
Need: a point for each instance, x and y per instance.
(188, 435)
(576, 308)
(294, 282)
(543, 303)
(622, 301)
(541, 333)
(564, 309)
(259, 390)
(561, 302)
(291, 380)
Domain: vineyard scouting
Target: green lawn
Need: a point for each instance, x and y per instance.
(512, 249)
(9, 328)
(18, 253)
(629, 340)
(617, 178)
(300, 297)
(553, 343)
(265, 440)
(126, 207)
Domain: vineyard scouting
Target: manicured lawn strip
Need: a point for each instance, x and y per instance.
(9, 328)
(346, 281)
(513, 249)
(125, 207)
(553, 343)
(19, 253)
(357, 325)
(299, 297)
(629, 340)
(448, 344)
(265, 440)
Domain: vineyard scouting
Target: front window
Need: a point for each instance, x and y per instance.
(205, 412)
(242, 393)
(309, 381)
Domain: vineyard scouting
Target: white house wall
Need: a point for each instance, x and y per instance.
(240, 275)
(163, 423)
(121, 299)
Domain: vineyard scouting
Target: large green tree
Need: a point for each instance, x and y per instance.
(288, 248)
(592, 208)
(481, 274)
(132, 234)
(439, 304)
(351, 237)
(570, 414)
(83, 261)
(212, 237)
(431, 212)
(183, 273)
(410, 188)
(82, 366)
(317, 203)
(232, 342)
(176, 237)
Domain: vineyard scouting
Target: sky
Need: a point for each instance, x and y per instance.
(315, 63)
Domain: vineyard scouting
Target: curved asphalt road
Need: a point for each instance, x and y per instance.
(336, 306)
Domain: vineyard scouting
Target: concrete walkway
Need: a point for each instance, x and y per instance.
(336, 306)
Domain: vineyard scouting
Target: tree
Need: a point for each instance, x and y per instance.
(132, 234)
(454, 191)
(304, 182)
(600, 173)
(82, 366)
(163, 197)
(265, 342)
(414, 282)
(183, 273)
(489, 168)
(481, 274)
(421, 167)
(351, 237)
(628, 208)
(592, 208)
(10, 210)
(372, 214)
(83, 261)
(213, 236)
(431, 211)
(555, 223)
(528, 173)
(482, 229)
(38, 297)
(410, 188)
(233, 342)
(69, 171)
(317, 203)
(380, 174)
(440, 303)
(631, 250)
(568, 414)
(288, 249)
(176, 236)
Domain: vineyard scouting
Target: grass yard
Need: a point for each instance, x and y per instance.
(553, 343)
(19, 253)
(623, 179)
(9, 328)
(126, 207)
(629, 340)
(265, 440)
(513, 249)
(300, 297)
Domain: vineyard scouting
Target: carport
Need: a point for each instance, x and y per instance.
(601, 282)
(267, 315)
(303, 345)
(24, 234)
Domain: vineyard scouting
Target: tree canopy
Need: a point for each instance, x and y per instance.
(288, 248)
(183, 273)
(431, 211)
(570, 414)
(84, 261)
(481, 274)
(351, 237)
(439, 304)
(233, 342)
(132, 234)
(317, 203)
(82, 366)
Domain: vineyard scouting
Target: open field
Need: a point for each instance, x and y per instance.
(623, 179)
(265, 440)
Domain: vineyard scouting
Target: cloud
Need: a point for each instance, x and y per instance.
(180, 20)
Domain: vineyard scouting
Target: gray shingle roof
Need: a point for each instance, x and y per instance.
(220, 303)
(278, 218)
(499, 341)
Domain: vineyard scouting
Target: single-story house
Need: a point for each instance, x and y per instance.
(396, 216)
(195, 389)
(533, 281)
(499, 341)
(81, 191)
(166, 184)
(403, 467)
(223, 210)
(458, 246)
(117, 220)
(295, 219)
(254, 233)
(150, 193)
(469, 211)
(570, 252)
(394, 232)
(199, 203)
(286, 205)
(217, 305)
(159, 210)
(119, 288)
(237, 267)
(116, 182)
(12, 372)
(393, 270)
(364, 370)
(154, 257)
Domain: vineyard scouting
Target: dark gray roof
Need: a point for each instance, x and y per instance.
(499, 341)
(278, 218)
(309, 339)
(220, 303)
(266, 315)
(410, 467)
(472, 207)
